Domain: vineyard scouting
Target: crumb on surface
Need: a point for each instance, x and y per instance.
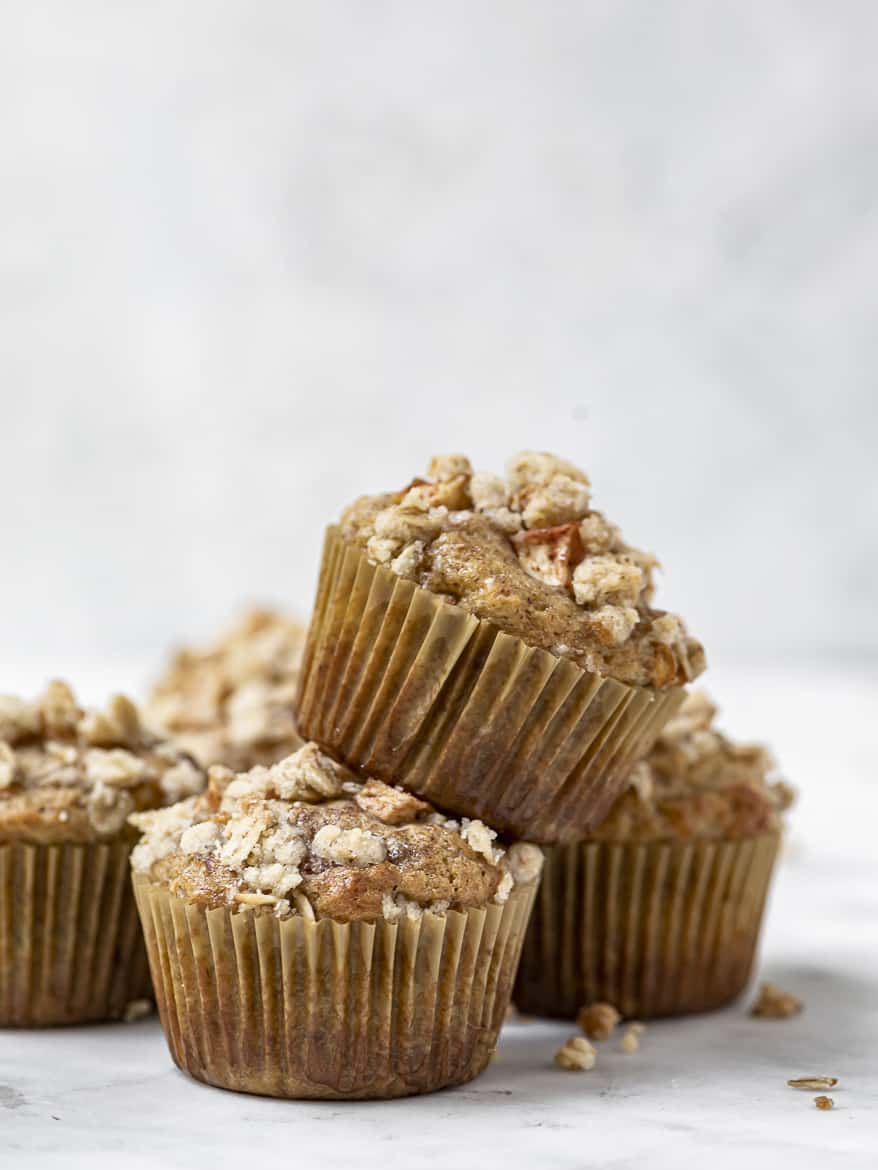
(576, 1055)
(815, 1082)
(823, 1102)
(773, 1003)
(597, 1020)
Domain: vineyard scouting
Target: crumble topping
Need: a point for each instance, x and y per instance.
(696, 783)
(576, 1055)
(305, 836)
(528, 553)
(69, 774)
(232, 703)
(773, 1003)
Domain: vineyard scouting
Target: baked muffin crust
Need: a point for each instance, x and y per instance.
(529, 554)
(698, 784)
(232, 703)
(306, 837)
(69, 775)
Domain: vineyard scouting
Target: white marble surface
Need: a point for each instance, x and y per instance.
(704, 1089)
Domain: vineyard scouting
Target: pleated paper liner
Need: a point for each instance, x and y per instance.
(325, 1009)
(656, 929)
(71, 948)
(417, 692)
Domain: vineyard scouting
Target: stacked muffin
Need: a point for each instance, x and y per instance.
(336, 908)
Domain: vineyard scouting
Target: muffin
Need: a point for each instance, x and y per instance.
(232, 703)
(313, 935)
(658, 912)
(491, 645)
(71, 949)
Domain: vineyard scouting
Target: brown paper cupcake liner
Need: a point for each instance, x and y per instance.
(71, 948)
(416, 691)
(326, 1009)
(655, 929)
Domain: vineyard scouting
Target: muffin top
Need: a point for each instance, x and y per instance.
(232, 703)
(529, 554)
(697, 784)
(71, 775)
(304, 836)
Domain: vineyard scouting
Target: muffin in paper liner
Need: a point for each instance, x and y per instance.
(71, 948)
(656, 929)
(305, 1008)
(418, 692)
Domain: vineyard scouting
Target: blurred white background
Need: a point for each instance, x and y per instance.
(258, 258)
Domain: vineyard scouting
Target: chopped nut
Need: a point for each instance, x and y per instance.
(773, 1003)
(813, 1082)
(824, 1102)
(391, 805)
(577, 1055)
(598, 1020)
(550, 554)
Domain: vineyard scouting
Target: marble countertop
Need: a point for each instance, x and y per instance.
(710, 1087)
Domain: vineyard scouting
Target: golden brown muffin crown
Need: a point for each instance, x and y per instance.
(529, 553)
(305, 836)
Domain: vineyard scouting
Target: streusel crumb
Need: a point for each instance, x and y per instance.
(232, 703)
(529, 553)
(597, 1020)
(576, 1055)
(697, 783)
(773, 1003)
(68, 774)
(305, 836)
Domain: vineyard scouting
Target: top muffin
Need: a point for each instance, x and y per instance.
(529, 554)
(698, 784)
(232, 703)
(69, 775)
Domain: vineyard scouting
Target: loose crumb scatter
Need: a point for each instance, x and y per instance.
(576, 1055)
(137, 1009)
(598, 1020)
(824, 1102)
(773, 1003)
(813, 1082)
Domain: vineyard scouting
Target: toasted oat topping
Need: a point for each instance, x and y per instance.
(529, 553)
(576, 1055)
(597, 1020)
(70, 774)
(232, 703)
(305, 836)
(773, 1003)
(697, 783)
(813, 1083)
